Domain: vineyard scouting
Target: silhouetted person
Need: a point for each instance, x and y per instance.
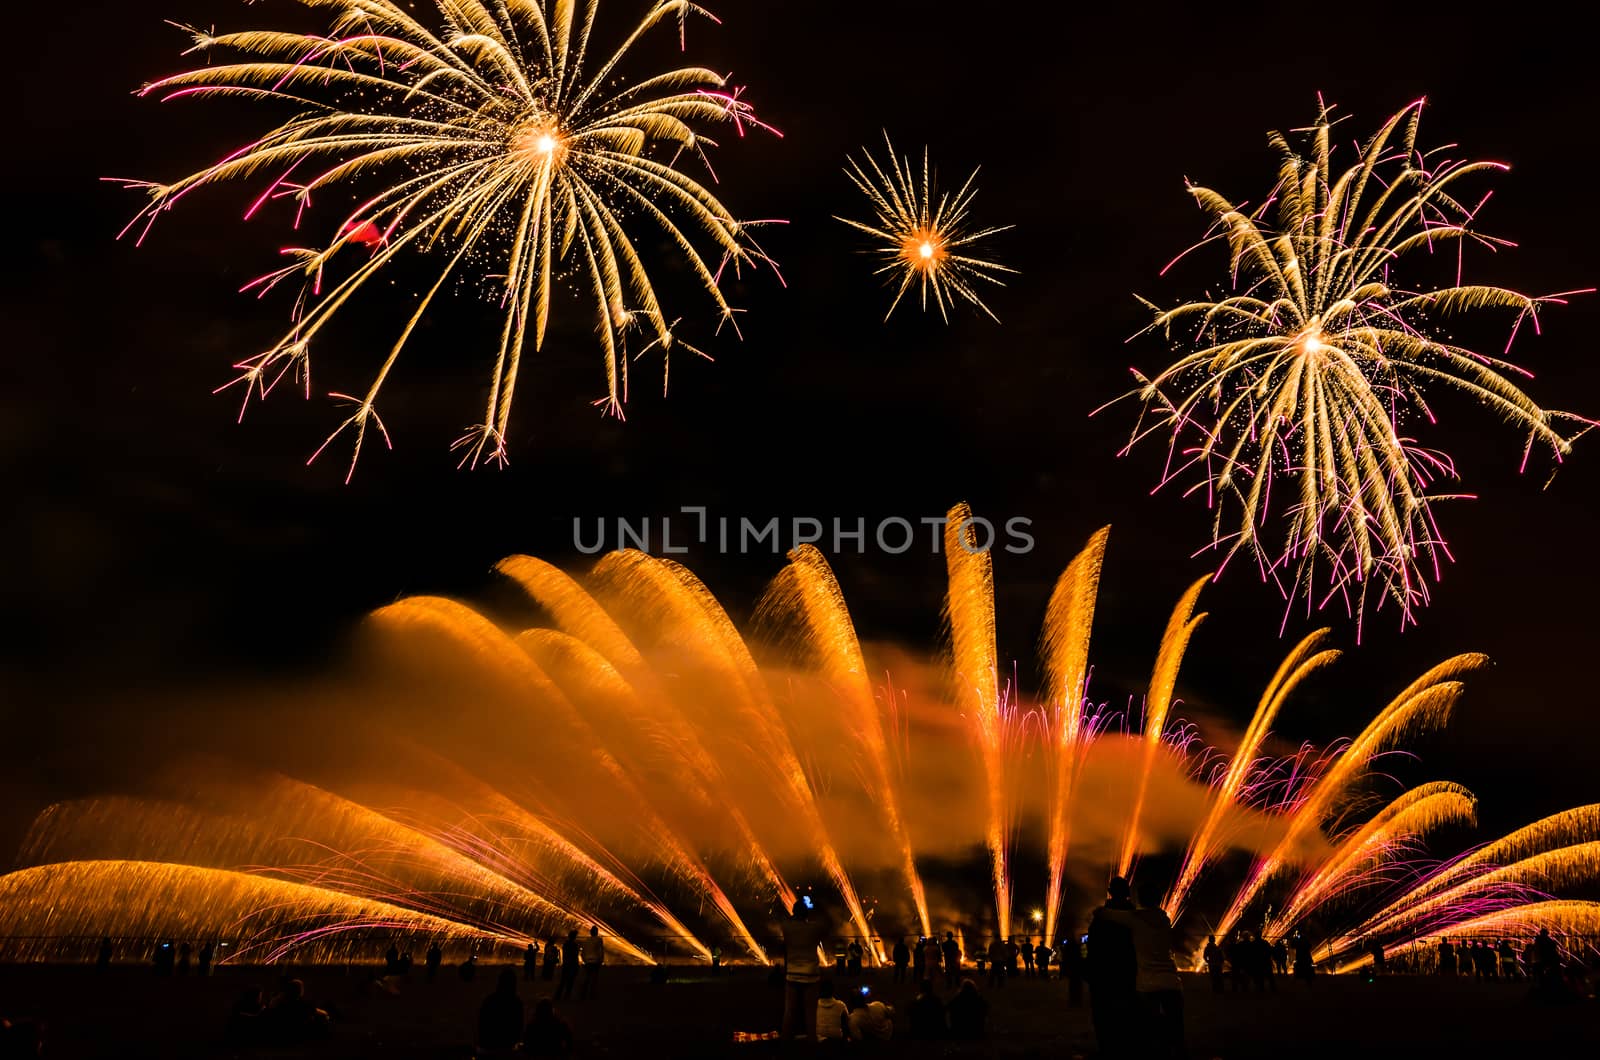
(1262, 964)
(164, 959)
(185, 951)
(1026, 950)
(802, 970)
(594, 958)
(245, 1018)
(207, 953)
(391, 959)
(530, 965)
(292, 1018)
(951, 952)
(103, 961)
(500, 1016)
(919, 960)
(1159, 1032)
(997, 963)
(1214, 962)
(1447, 958)
(933, 957)
(552, 957)
(900, 958)
(1304, 967)
(1041, 958)
(871, 1022)
(547, 1034)
(569, 966)
(1507, 959)
(1113, 969)
(832, 1015)
(431, 960)
(853, 958)
(1072, 967)
(405, 963)
(1012, 953)
(1546, 960)
(468, 971)
(968, 1012)
(1280, 956)
(927, 1015)
(1238, 950)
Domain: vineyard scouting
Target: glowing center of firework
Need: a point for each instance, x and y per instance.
(537, 142)
(923, 249)
(1312, 342)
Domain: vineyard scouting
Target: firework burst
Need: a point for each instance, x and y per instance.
(1317, 368)
(923, 236)
(488, 139)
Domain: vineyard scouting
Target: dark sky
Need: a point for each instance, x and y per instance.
(153, 544)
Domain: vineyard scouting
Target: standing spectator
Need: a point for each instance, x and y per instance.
(569, 966)
(1160, 991)
(934, 957)
(1304, 967)
(184, 953)
(997, 962)
(530, 965)
(1447, 958)
(552, 958)
(1113, 970)
(1213, 956)
(103, 961)
(802, 938)
(206, 955)
(594, 958)
(900, 958)
(853, 958)
(919, 960)
(432, 959)
(1280, 957)
(1072, 967)
(1026, 949)
(1041, 958)
(951, 952)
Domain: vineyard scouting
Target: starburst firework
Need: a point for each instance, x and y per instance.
(1316, 369)
(923, 236)
(490, 141)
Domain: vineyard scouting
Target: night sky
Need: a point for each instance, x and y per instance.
(153, 546)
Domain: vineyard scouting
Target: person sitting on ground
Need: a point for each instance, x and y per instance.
(500, 1017)
(927, 1015)
(547, 1034)
(871, 1021)
(969, 1013)
(292, 1018)
(244, 1019)
(832, 1016)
